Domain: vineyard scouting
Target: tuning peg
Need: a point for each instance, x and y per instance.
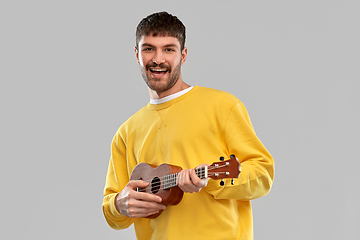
(232, 156)
(232, 181)
(222, 181)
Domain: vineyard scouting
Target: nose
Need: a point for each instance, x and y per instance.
(158, 58)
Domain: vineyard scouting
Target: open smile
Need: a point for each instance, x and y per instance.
(158, 72)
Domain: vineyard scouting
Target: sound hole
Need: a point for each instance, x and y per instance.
(155, 185)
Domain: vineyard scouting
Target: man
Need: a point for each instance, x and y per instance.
(187, 127)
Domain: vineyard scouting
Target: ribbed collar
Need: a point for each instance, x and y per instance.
(166, 104)
(170, 97)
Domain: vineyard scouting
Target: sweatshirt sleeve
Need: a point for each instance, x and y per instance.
(116, 179)
(257, 165)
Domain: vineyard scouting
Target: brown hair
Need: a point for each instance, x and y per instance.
(161, 24)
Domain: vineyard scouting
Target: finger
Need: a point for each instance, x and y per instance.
(144, 205)
(185, 183)
(137, 183)
(130, 202)
(142, 195)
(135, 213)
(198, 182)
(145, 196)
(142, 214)
(138, 208)
(204, 181)
(180, 180)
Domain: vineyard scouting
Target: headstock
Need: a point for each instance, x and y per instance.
(224, 169)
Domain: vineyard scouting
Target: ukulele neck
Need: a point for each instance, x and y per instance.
(171, 179)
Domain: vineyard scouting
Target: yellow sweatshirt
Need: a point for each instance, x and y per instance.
(197, 127)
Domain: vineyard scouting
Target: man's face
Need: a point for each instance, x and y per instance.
(160, 59)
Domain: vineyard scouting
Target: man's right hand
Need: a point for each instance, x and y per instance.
(135, 204)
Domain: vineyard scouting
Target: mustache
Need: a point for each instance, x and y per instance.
(161, 65)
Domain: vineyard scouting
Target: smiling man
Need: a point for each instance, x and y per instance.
(189, 127)
(160, 58)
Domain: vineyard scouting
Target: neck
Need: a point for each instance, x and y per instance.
(179, 86)
(171, 179)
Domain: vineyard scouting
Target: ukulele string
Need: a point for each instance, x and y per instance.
(175, 174)
(202, 171)
(171, 179)
(158, 184)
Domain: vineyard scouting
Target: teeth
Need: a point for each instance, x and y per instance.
(158, 70)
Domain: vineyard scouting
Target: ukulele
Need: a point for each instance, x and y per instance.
(163, 178)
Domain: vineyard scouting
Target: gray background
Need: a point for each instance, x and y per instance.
(69, 79)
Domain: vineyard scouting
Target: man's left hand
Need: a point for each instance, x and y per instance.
(189, 182)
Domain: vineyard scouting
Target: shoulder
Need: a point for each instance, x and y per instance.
(135, 120)
(217, 97)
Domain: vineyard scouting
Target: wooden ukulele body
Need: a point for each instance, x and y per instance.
(154, 175)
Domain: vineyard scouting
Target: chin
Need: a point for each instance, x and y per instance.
(160, 85)
(159, 88)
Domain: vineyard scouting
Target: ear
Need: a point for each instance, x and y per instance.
(183, 55)
(136, 54)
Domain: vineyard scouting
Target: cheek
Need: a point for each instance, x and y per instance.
(175, 62)
(142, 60)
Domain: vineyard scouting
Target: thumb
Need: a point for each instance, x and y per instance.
(137, 183)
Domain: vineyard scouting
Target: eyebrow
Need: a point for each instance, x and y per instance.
(167, 45)
(171, 45)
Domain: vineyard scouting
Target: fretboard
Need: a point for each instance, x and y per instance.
(171, 179)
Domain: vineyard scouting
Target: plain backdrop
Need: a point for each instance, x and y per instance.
(69, 79)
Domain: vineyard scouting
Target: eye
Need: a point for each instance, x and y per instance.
(148, 49)
(169, 50)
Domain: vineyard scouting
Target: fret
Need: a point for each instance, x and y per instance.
(170, 181)
(166, 182)
(201, 172)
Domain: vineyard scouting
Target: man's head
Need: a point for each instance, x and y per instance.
(160, 52)
(161, 24)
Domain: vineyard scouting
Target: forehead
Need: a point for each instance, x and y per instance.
(159, 41)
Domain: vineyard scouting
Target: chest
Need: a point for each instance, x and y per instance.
(175, 136)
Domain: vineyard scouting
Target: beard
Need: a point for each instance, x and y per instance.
(161, 84)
